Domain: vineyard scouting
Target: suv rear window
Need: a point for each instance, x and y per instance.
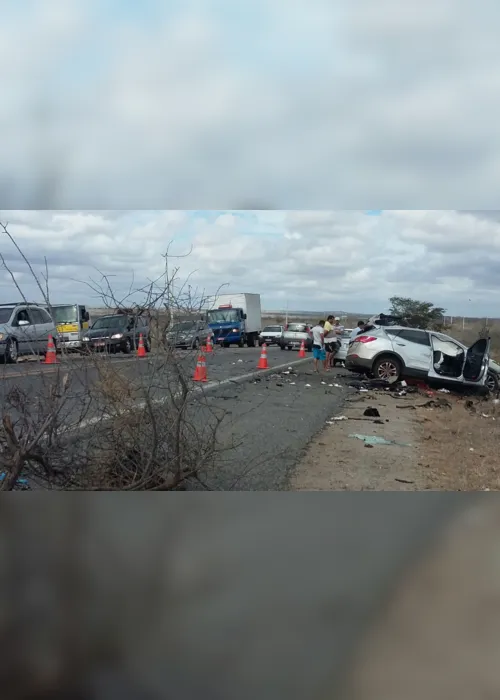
(297, 327)
(414, 336)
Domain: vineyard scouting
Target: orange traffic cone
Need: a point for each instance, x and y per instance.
(200, 373)
(262, 364)
(302, 351)
(210, 347)
(51, 355)
(141, 350)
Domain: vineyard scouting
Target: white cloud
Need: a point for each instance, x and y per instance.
(287, 104)
(324, 260)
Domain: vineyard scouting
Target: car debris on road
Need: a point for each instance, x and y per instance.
(377, 440)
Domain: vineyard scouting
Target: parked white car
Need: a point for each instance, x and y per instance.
(270, 335)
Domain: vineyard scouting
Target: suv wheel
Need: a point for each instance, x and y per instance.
(127, 347)
(147, 344)
(388, 368)
(492, 382)
(196, 344)
(11, 351)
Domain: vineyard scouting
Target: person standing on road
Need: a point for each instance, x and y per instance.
(338, 327)
(319, 353)
(356, 331)
(330, 340)
(336, 344)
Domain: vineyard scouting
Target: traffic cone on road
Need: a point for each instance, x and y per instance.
(210, 347)
(302, 351)
(141, 350)
(200, 373)
(262, 364)
(51, 355)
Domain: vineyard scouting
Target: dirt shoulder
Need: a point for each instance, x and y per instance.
(437, 442)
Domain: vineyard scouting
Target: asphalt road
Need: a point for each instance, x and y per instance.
(85, 400)
(267, 421)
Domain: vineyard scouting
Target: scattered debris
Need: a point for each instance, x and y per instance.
(408, 405)
(436, 403)
(376, 440)
(371, 411)
(444, 391)
(404, 481)
(308, 385)
(340, 418)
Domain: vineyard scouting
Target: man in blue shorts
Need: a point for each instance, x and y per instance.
(319, 352)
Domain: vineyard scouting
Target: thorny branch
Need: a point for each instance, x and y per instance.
(92, 426)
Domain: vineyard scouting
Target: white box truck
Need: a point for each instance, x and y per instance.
(235, 319)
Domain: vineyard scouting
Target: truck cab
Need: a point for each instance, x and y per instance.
(72, 320)
(228, 325)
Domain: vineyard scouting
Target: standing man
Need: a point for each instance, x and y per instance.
(356, 331)
(338, 327)
(330, 340)
(319, 353)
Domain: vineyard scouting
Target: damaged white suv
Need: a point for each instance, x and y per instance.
(399, 352)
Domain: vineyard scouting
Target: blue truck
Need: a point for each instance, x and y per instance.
(235, 319)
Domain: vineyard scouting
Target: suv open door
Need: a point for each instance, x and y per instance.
(476, 364)
(452, 363)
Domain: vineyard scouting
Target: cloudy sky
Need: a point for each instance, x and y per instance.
(312, 260)
(258, 103)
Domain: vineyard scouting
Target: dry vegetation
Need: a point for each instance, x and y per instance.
(90, 426)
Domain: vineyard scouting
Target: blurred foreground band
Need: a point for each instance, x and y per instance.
(201, 595)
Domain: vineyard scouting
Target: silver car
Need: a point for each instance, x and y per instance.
(24, 330)
(341, 354)
(188, 334)
(398, 352)
(293, 335)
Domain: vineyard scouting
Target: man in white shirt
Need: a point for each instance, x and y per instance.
(330, 340)
(319, 354)
(356, 331)
(338, 328)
